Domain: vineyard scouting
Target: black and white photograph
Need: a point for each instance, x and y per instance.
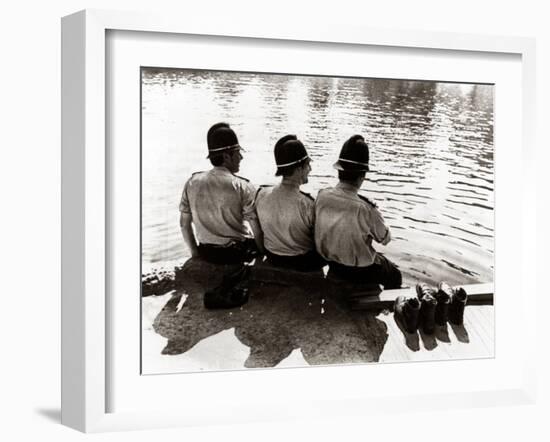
(301, 220)
(239, 221)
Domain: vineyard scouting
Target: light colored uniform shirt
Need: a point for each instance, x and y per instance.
(219, 202)
(286, 216)
(346, 224)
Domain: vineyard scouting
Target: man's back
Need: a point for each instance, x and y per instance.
(218, 202)
(286, 216)
(345, 225)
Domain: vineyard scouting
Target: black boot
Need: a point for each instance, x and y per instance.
(406, 312)
(231, 293)
(443, 297)
(428, 304)
(459, 299)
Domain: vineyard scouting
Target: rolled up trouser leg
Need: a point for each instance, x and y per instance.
(389, 275)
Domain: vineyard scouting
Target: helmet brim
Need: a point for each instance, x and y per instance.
(351, 167)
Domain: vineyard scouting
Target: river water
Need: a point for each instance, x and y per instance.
(431, 149)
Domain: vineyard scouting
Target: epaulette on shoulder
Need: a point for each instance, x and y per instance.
(194, 176)
(308, 195)
(257, 193)
(364, 198)
(242, 178)
(262, 186)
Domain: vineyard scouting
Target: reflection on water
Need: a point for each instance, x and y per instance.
(431, 154)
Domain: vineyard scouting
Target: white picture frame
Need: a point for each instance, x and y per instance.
(85, 215)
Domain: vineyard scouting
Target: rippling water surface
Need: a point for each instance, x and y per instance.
(431, 156)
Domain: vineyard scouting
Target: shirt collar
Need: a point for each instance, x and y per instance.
(221, 169)
(291, 183)
(346, 187)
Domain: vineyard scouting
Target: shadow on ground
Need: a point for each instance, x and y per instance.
(277, 319)
(51, 414)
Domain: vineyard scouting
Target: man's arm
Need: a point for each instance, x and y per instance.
(249, 196)
(188, 235)
(375, 224)
(258, 234)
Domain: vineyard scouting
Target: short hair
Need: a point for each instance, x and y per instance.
(350, 176)
(216, 160)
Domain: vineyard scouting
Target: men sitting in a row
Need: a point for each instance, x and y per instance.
(297, 231)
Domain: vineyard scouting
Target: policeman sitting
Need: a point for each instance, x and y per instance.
(286, 214)
(218, 203)
(346, 223)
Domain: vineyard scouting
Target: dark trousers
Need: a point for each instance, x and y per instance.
(237, 253)
(383, 271)
(308, 262)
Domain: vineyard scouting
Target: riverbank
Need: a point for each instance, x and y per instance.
(288, 325)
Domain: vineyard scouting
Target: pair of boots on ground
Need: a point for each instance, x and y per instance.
(431, 307)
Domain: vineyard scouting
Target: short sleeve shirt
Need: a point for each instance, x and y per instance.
(286, 216)
(219, 203)
(346, 224)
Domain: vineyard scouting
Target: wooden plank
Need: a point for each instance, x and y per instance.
(468, 341)
(477, 294)
(396, 343)
(359, 296)
(475, 335)
(266, 273)
(481, 325)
